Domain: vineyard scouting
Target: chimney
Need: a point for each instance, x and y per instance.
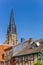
(30, 40)
(22, 39)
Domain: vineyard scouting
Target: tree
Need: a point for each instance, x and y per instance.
(38, 63)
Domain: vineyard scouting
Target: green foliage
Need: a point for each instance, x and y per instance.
(39, 63)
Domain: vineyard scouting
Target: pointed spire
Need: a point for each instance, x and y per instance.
(12, 26)
(12, 17)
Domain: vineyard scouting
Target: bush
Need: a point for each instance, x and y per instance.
(39, 63)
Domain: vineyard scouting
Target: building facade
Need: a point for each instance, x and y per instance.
(7, 56)
(27, 54)
(2, 52)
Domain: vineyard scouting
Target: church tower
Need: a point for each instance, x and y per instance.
(11, 31)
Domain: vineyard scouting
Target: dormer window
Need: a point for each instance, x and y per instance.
(34, 45)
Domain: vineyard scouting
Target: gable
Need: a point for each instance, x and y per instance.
(34, 45)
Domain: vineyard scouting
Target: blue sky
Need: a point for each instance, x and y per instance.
(28, 15)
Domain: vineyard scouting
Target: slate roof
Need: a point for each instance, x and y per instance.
(26, 51)
(20, 47)
(40, 40)
(26, 48)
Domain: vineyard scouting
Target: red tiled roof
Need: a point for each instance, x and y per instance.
(2, 48)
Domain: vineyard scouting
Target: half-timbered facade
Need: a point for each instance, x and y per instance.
(26, 54)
